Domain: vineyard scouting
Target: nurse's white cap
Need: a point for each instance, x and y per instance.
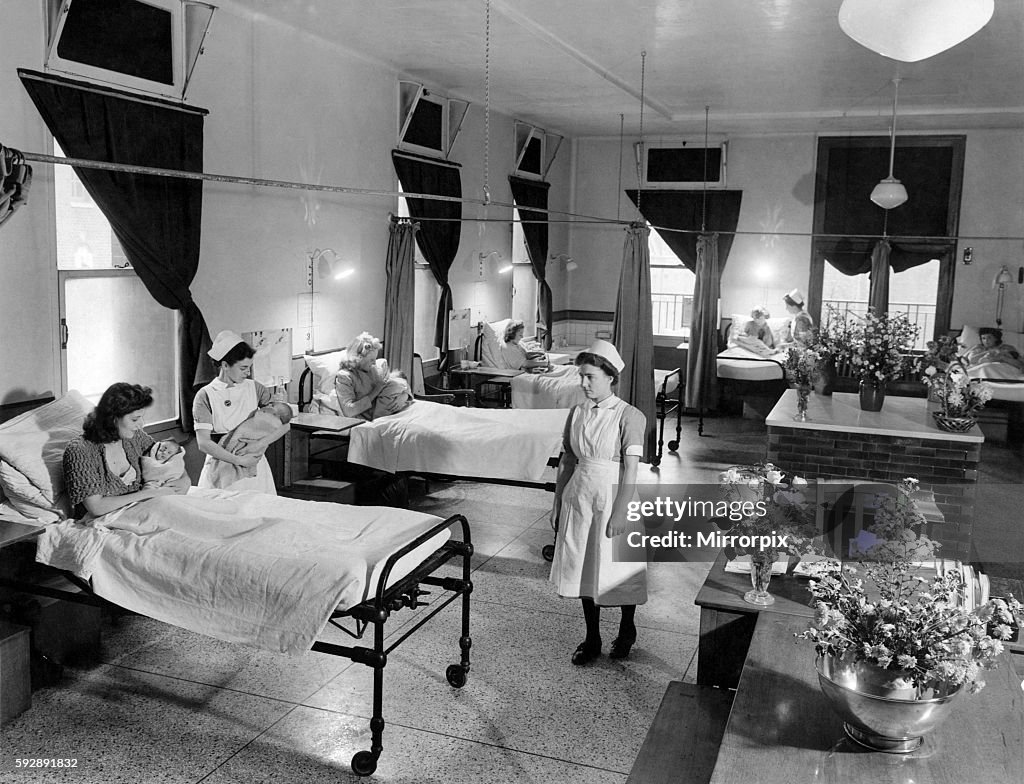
(797, 296)
(223, 343)
(606, 350)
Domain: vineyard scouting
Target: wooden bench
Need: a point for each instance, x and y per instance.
(682, 743)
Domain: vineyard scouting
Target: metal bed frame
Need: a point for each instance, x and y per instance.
(405, 593)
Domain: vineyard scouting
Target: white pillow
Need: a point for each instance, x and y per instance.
(323, 367)
(490, 349)
(31, 456)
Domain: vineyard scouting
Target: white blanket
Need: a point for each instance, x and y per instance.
(485, 443)
(743, 365)
(239, 566)
(557, 388)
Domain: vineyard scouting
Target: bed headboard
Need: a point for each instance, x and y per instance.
(11, 410)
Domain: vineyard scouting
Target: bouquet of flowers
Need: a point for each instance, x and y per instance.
(937, 356)
(878, 348)
(961, 395)
(802, 365)
(918, 629)
(777, 515)
(833, 336)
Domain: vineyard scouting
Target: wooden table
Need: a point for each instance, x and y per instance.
(727, 622)
(782, 729)
(305, 428)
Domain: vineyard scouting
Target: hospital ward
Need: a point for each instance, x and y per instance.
(511, 391)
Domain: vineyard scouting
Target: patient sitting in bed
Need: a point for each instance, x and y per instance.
(263, 422)
(992, 349)
(163, 465)
(756, 335)
(517, 354)
(395, 396)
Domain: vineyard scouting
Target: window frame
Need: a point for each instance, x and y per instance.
(947, 269)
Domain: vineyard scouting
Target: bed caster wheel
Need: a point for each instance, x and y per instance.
(456, 675)
(548, 551)
(364, 763)
(655, 461)
(673, 446)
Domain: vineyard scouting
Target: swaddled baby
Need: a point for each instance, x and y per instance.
(263, 422)
(163, 465)
(394, 397)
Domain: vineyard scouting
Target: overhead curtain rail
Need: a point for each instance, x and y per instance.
(570, 217)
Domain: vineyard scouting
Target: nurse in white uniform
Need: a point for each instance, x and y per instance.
(225, 403)
(603, 443)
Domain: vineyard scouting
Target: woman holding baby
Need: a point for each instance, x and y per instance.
(365, 387)
(103, 468)
(222, 406)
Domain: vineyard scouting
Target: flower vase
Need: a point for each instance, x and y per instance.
(803, 393)
(826, 377)
(879, 711)
(937, 388)
(760, 575)
(872, 395)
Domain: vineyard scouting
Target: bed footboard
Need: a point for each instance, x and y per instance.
(405, 593)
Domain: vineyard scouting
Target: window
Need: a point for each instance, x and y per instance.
(112, 328)
(923, 231)
(671, 290)
(426, 296)
(914, 292)
(524, 283)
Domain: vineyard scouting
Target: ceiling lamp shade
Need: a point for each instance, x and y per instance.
(890, 192)
(912, 30)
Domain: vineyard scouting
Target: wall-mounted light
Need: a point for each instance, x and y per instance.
(1002, 279)
(565, 259)
(328, 265)
(505, 268)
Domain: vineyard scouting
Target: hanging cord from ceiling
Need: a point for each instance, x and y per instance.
(618, 201)
(640, 156)
(487, 104)
(704, 195)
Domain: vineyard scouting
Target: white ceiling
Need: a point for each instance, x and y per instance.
(574, 66)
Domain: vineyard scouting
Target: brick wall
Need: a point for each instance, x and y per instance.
(948, 469)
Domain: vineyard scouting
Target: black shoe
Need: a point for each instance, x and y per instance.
(621, 646)
(586, 652)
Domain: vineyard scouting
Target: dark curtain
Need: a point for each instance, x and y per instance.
(685, 210)
(157, 220)
(855, 256)
(526, 194)
(632, 331)
(878, 294)
(440, 226)
(400, 297)
(701, 367)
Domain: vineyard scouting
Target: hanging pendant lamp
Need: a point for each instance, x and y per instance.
(890, 192)
(912, 30)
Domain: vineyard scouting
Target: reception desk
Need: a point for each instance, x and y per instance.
(840, 442)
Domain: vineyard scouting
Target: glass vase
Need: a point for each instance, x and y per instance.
(872, 395)
(803, 394)
(760, 576)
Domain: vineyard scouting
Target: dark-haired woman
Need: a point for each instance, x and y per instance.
(102, 469)
(603, 443)
(225, 403)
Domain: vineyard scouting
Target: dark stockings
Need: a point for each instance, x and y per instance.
(592, 616)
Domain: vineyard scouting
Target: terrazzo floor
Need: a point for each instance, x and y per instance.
(171, 706)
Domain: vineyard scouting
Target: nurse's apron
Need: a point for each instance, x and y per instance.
(226, 418)
(584, 562)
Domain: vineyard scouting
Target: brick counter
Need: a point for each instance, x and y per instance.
(839, 441)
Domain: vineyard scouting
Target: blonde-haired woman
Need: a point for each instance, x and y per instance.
(360, 377)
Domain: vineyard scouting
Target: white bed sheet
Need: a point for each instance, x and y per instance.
(559, 387)
(239, 566)
(485, 443)
(742, 365)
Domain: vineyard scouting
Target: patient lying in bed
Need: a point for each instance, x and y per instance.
(263, 422)
(163, 465)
